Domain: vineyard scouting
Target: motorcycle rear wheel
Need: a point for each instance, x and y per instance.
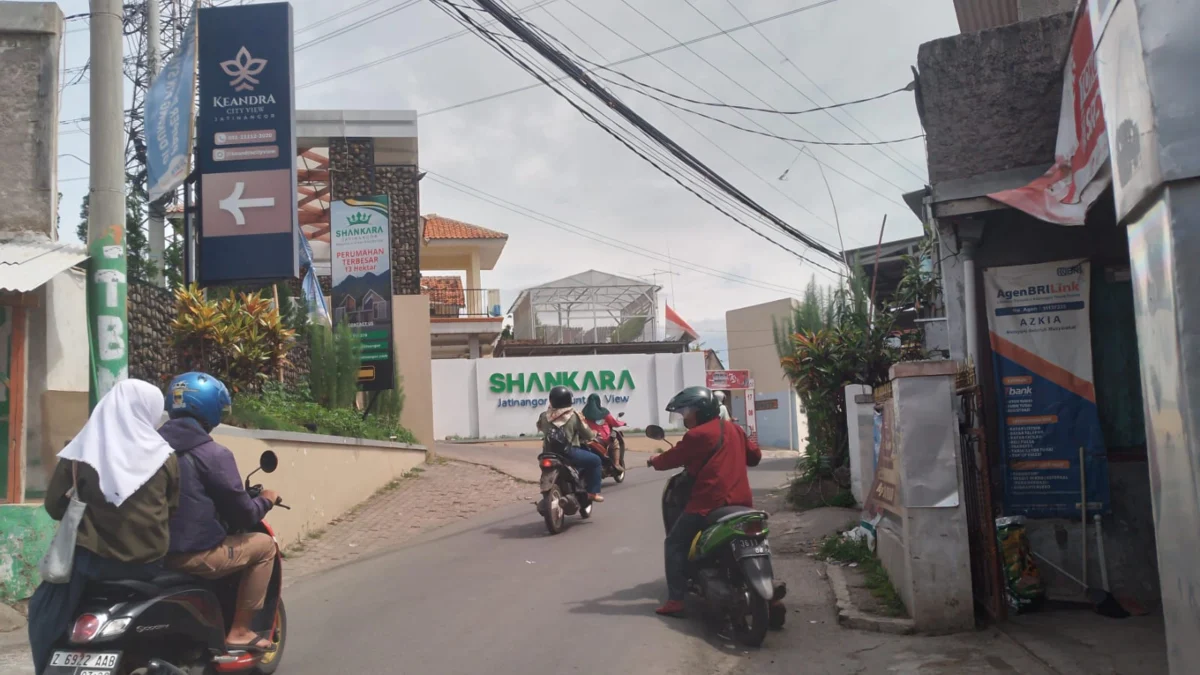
(750, 629)
(552, 512)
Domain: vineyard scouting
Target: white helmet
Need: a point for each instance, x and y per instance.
(720, 396)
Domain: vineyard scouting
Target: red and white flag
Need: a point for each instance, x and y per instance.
(678, 329)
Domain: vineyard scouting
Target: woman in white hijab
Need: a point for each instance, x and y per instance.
(128, 477)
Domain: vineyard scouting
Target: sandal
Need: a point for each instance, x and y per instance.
(252, 648)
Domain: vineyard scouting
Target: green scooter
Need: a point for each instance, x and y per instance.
(729, 565)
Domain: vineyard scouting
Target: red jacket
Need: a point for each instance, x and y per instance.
(604, 429)
(723, 481)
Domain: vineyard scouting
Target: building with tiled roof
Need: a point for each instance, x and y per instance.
(439, 227)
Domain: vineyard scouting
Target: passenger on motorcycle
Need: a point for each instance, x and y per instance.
(715, 454)
(724, 408)
(128, 477)
(562, 414)
(211, 496)
(601, 421)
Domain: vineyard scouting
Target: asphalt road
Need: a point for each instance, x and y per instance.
(498, 595)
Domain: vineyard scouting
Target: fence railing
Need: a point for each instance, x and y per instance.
(463, 303)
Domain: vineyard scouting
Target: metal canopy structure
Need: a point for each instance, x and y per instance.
(588, 308)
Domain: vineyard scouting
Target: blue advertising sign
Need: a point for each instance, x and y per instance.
(170, 116)
(246, 145)
(1039, 321)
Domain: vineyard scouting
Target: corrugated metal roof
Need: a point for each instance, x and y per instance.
(977, 15)
(26, 264)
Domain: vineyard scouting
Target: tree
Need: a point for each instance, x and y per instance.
(137, 246)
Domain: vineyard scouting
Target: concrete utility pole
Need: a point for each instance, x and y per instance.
(107, 316)
(1146, 56)
(157, 210)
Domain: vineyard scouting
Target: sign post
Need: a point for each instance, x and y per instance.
(360, 253)
(107, 311)
(246, 145)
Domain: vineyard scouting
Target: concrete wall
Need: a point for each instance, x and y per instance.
(320, 477)
(1028, 10)
(468, 406)
(989, 101)
(413, 354)
(58, 365)
(30, 42)
(860, 427)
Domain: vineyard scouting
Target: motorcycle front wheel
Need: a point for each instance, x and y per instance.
(270, 662)
(551, 511)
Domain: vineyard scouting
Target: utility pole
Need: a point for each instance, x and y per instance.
(157, 210)
(108, 324)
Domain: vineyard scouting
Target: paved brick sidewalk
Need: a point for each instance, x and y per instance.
(437, 495)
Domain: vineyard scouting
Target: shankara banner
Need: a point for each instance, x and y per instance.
(1039, 321)
(1080, 173)
(360, 252)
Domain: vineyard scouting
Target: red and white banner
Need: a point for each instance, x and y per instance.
(678, 329)
(1080, 173)
(725, 380)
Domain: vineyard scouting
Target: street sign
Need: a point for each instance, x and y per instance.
(360, 237)
(170, 117)
(246, 145)
(727, 379)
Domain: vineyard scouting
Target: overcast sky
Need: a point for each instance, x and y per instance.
(533, 149)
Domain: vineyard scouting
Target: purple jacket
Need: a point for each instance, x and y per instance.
(209, 486)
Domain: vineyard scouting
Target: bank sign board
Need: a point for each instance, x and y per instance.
(246, 145)
(360, 256)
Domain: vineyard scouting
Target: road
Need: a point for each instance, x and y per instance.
(498, 595)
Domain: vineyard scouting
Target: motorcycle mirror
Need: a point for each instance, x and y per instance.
(268, 462)
(620, 414)
(655, 432)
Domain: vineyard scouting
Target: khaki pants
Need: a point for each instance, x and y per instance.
(253, 552)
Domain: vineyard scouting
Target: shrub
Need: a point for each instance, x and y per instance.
(281, 409)
(333, 371)
(240, 338)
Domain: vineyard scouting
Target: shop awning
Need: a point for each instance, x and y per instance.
(26, 264)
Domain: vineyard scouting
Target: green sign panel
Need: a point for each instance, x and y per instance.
(108, 327)
(591, 380)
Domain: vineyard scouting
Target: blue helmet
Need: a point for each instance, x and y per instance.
(200, 396)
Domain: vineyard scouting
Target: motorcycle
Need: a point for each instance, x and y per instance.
(729, 566)
(614, 454)
(174, 624)
(563, 493)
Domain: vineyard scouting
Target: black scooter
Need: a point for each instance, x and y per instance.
(174, 624)
(563, 493)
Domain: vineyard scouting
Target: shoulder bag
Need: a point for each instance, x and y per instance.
(56, 565)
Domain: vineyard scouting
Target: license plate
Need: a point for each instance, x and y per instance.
(744, 548)
(84, 663)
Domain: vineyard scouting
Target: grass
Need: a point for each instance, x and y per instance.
(813, 493)
(836, 548)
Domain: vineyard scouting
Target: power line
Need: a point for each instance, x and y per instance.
(334, 17)
(565, 226)
(676, 115)
(407, 52)
(357, 24)
(741, 86)
(794, 87)
(811, 81)
(576, 72)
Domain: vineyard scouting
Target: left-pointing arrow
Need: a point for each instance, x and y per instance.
(234, 203)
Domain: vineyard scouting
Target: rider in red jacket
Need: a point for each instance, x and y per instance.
(720, 478)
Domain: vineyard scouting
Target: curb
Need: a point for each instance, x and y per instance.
(485, 465)
(851, 617)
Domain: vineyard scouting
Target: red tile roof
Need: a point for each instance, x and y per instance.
(444, 291)
(438, 227)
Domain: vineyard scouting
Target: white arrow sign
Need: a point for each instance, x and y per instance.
(234, 203)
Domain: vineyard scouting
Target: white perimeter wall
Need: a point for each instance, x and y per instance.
(465, 405)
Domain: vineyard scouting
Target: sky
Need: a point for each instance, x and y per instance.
(534, 150)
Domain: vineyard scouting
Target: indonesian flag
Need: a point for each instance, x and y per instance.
(678, 329)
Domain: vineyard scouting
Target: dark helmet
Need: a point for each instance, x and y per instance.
(699, 399)
(199, 396)
(561, 397)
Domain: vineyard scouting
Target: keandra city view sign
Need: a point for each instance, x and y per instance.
(246, 145)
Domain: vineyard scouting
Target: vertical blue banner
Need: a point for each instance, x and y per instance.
(170, 117)
(1040, 330)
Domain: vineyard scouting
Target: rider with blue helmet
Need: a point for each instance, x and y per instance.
(211, 495)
